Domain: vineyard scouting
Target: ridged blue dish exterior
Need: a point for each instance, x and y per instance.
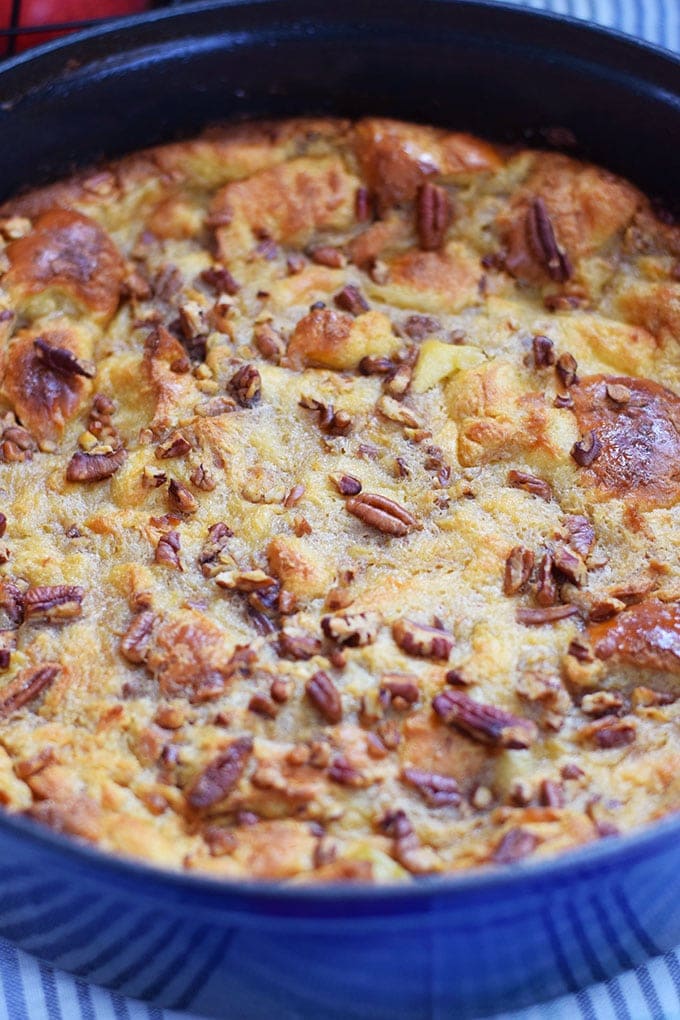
(451, 948)
(460, 947)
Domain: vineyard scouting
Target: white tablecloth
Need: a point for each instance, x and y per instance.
(33, 991)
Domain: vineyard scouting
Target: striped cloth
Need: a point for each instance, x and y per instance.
(33, 991)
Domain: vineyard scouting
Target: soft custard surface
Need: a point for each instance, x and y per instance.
(340, 473)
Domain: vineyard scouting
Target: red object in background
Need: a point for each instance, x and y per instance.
(57, 12)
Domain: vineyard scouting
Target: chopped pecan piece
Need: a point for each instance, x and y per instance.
(16, 443)
(363, 206)
(518, 567)
(246, 580)
(546, 588)
(209, 556)
(381, 513)
(567, 562)
(566, 368)
(332, 422)
(94, 467)
(601, 703)
(202, 479)
(394, 411)
(324, 695)
(619, 393)
(298, 645)
(549, 614)
(11, 605)
(417, 327)
(609, 732)
(181, 498)
(246, 386)
(437, 791)
(136, 642)
(53, 602)
(406, 847)
(220, 279)
(433, 215)
(344, 774)
(419, 639)
(587, 449)
(552, 794)
(327, 255)
(514, 845)
(541, 236)
(60, 359)
(530, 483)
(352, 629)
(399, 688)
(167, 550)
(220, 777)
(376, 365)
(269, 342)
(26, 686)
(347, 485)
(293, 496)
(581, 533)
(485, 723)
(350, 299)
(176, 445)
(260, 704)
(544, 351)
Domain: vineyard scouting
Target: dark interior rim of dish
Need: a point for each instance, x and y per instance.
(128, 44)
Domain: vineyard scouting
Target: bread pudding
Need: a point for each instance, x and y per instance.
(340, 479)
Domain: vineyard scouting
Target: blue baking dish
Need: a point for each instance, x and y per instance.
(462, 946)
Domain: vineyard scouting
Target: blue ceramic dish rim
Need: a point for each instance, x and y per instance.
(125, 871)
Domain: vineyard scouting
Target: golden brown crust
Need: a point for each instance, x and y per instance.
(636, 424)
(340, 493)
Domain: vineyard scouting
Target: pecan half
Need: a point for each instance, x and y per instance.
(221, 776)
(167, 550)
(400, 688)
(518, 567)
(246, 386)
(26, 686)
(587, 449)
(436, 790)
(135, 643)
(53, 602)
(433, 215)
(541, 235)
(60, 359)
(352, 629)
(16, 443)
(324, 695)
(417, 327)
(350, 299)
(543, 350)
(381, 513)
(419, 639)
(181, 498)
(550, 614)
(94, 467)
(530, 483)
(485, 723)
(344, 774)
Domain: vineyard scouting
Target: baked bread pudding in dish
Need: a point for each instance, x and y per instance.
(340, 485)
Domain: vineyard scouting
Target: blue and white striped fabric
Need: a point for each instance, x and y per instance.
(33, 991)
